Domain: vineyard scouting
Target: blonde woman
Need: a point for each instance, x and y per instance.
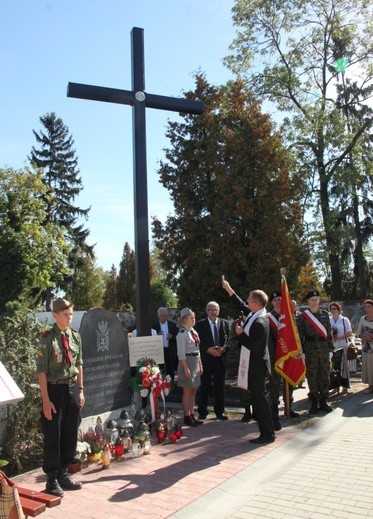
(190, 365)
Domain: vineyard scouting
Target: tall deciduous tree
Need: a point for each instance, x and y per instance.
(236, 204)
(312, 59)
(32, 252)
(160, 295)
(88, 286)
(57, 159)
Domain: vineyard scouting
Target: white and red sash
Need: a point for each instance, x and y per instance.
(316, 324)
(273, 322)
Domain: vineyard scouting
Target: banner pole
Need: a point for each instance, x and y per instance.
(287, 399)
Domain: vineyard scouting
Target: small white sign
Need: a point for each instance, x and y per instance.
(151, 347)
(9, 391)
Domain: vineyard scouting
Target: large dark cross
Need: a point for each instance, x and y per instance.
(139, 100)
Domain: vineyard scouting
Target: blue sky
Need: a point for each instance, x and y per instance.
(45, 44)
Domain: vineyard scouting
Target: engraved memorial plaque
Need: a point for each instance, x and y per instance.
(106, 362)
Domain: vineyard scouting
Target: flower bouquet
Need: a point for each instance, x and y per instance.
(150, 382)
(96, 443)
(82, 451)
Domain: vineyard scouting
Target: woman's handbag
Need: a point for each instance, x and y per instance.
(10, 503)
(351, 352)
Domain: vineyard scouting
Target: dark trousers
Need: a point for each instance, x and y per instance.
(218, 374)
(260, 400)
(61, 433)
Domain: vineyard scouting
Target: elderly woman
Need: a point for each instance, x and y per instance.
(190, 365)
(365, 332)
(341, 331)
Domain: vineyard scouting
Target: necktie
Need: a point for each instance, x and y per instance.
(216, 334)
(66, 350)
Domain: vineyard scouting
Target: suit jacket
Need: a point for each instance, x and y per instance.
(173, 330)
(203, 329)
(257, 343)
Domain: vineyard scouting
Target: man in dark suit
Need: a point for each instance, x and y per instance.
(253, 334)
(169, 330)
(213, 334)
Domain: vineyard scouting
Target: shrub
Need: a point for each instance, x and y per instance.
(23, 441)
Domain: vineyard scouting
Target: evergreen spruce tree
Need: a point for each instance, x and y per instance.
(111, 292)
(57, 159)
(126, 279)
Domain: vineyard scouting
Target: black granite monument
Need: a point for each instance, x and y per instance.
(106, 362)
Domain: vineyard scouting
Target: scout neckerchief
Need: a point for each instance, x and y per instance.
(316, 324)
(273, 322)
(66, 349)
(253, 318)
(195, 336)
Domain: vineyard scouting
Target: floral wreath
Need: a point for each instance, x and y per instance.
(150, 382)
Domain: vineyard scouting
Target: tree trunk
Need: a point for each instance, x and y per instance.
(360, 266)
(332, 240)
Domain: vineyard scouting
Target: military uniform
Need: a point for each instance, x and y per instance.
(316, 350)
(60, 433)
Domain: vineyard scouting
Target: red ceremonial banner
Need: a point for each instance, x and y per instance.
(289, 362)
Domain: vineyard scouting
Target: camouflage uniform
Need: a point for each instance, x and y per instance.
(316, 351)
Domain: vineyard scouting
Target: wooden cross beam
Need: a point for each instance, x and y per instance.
(139, 100)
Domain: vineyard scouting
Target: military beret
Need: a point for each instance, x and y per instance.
(274, 294)
(313, 293)
(60, 304)
(185, 312)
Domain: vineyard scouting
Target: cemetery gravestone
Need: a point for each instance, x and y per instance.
(106, 362)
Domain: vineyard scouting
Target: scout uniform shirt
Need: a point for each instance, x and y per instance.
(50, 354)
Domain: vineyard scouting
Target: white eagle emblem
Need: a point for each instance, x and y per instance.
(102, 336)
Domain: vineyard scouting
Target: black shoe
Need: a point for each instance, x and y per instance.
(198, 422)
(247, 417)
(202, 416)
(277, 425)
(294, 414)
(67, 483)
(263, 439)
(222, 417)
(324, 406)
(189, 421)
(53, 487)
(314, 407)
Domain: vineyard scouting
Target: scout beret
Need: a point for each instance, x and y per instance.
(313, 293)
(60, 304)
(274, 294)
(185, 312)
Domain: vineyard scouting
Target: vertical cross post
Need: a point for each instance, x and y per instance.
(139, 100)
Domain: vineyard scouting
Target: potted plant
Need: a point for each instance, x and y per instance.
(96, 443)
(82, 451)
